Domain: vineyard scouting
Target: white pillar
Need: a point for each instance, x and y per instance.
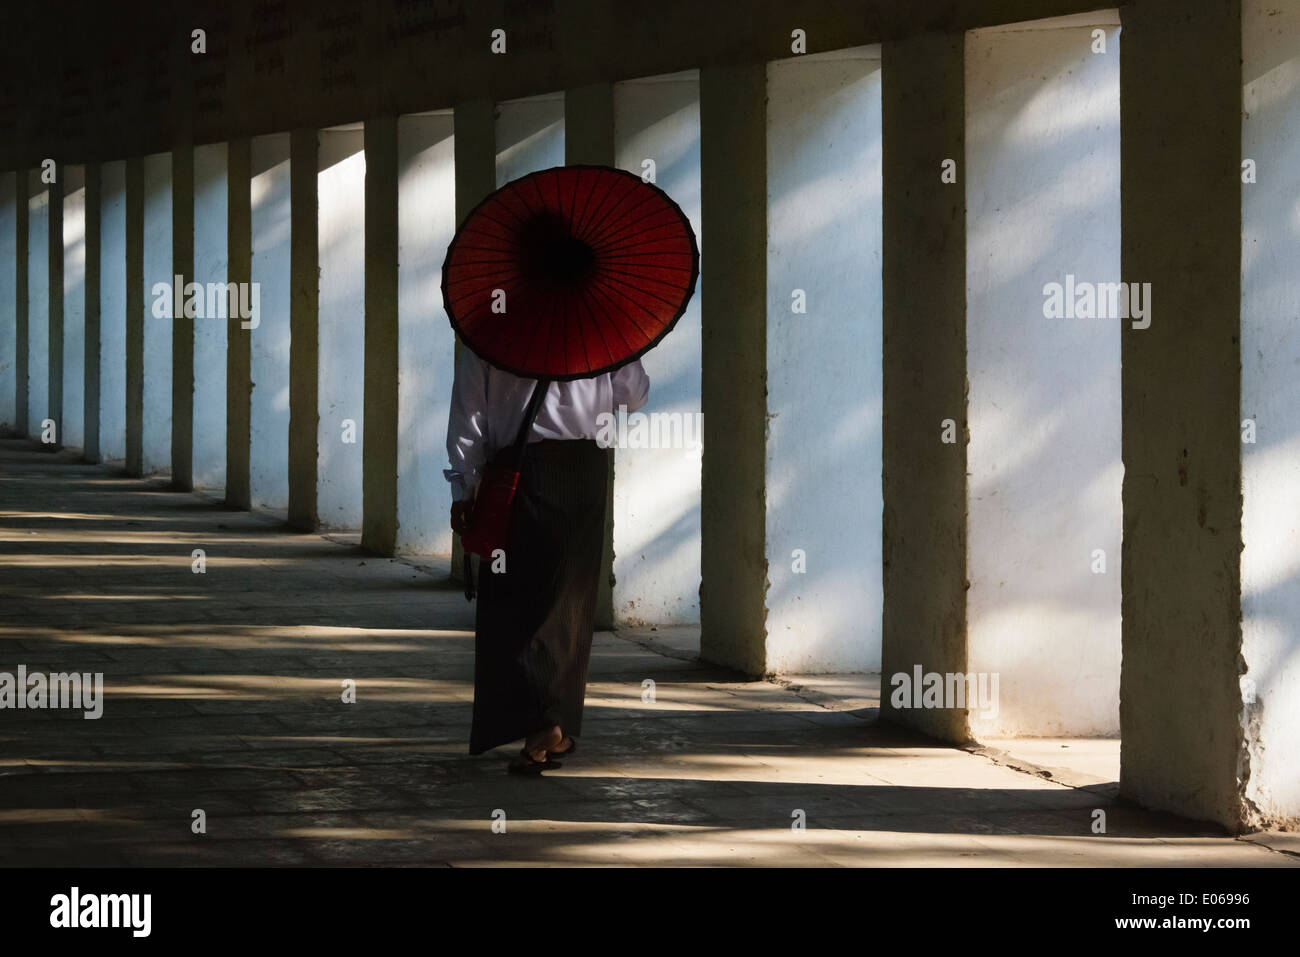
(156, 428)
(74, 305)
(341, 383)
(657, 491)
(824, 309)
(1270, 395)
(426, 221)
(269, 335)
(210, 331)
(1042, 190)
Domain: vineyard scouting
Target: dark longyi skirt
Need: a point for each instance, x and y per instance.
(534, 622)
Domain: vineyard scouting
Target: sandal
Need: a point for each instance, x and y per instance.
(573, 746)
(524, 764)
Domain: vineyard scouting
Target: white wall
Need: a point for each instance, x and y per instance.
(1041, 176)
(341, 186)
(112, 311)
(8, 302)
(1270, 354)
(426, 221)
(269, 345)
(210, 266)
(74, 305)
(530, 135)
(38, 303)
(657, 491)
(824, 366)
(157, 426)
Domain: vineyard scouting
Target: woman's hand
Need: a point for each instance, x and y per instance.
(460, 516)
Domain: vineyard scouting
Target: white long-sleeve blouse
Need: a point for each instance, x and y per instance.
(488, 405)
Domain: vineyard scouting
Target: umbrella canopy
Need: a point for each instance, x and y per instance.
(569, 272)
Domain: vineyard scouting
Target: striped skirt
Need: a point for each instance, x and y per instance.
(534, 620)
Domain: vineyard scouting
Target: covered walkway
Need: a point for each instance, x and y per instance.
(223, 693)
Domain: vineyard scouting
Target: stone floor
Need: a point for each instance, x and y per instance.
(224, 694)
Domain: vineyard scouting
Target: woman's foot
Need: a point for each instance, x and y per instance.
(534, 756)
(565, 747)
(540, 744)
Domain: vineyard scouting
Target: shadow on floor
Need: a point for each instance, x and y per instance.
(224, 701)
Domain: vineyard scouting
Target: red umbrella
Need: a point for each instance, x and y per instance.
(569, 272)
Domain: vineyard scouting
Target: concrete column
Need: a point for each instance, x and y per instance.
(8, 299)
(182, 397)
(476, 177)
(239, 388)
(589, 125)
(90, 364)
(54, 369)
(924, 372)
(379, 437)
(589, 139)
(1180, 696)
(475, 155)
(733, 286)
(135, 316)
(304, 318)
(21, 292)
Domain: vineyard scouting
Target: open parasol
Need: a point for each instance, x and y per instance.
(569, 272)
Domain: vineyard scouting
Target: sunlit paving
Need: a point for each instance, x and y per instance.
(316, 711)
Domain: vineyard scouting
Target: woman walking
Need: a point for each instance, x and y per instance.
(537, 602)
(556, 284)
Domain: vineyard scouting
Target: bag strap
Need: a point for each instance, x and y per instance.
(517, 451)
(530, 416)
